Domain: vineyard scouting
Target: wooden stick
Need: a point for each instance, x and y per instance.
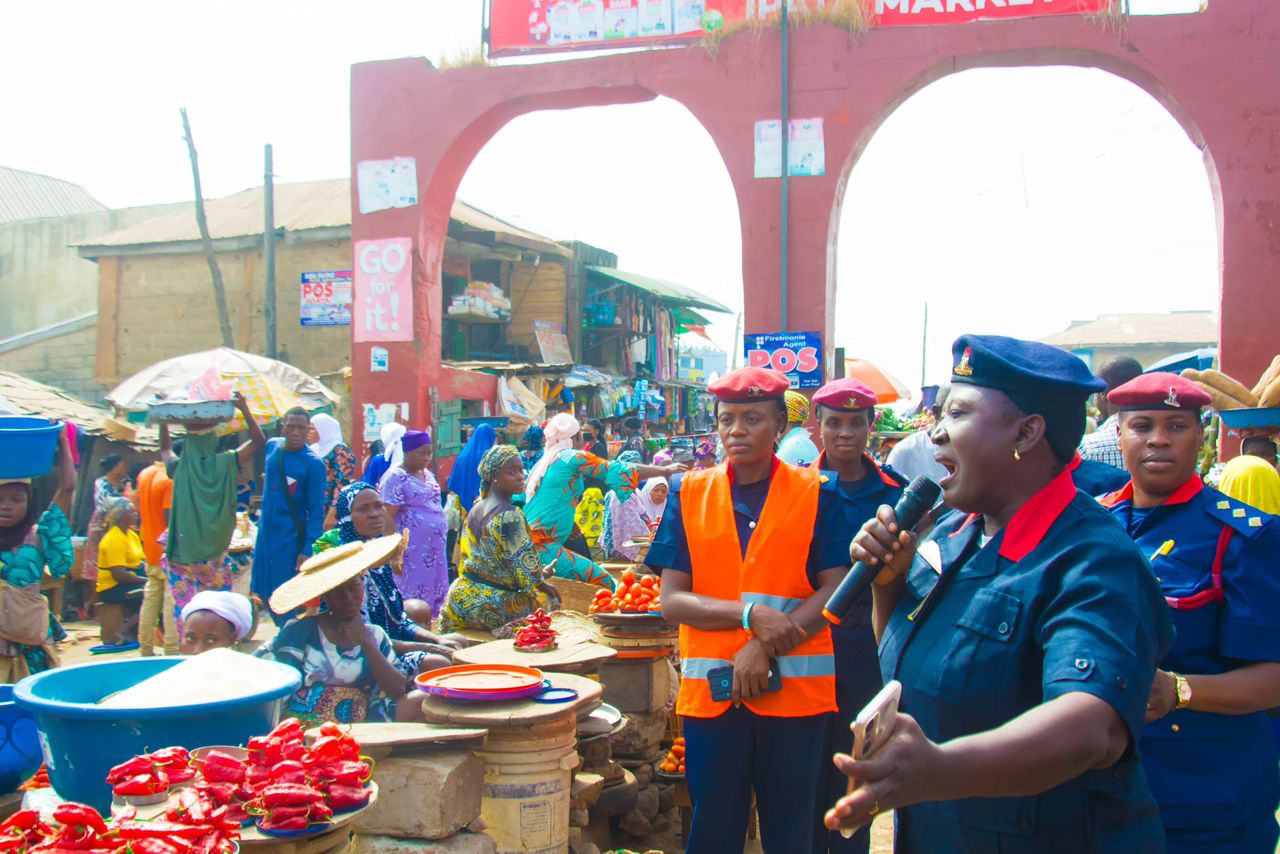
(219, 292)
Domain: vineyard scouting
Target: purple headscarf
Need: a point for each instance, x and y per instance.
(414, 439)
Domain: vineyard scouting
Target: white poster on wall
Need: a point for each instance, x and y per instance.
(384, 184)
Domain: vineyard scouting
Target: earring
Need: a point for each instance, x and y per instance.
(1017, 457)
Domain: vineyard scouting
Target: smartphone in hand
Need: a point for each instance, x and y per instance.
(873, 727)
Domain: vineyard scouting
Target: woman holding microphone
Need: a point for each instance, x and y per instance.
(1025, 632)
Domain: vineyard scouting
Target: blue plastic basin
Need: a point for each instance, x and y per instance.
(27, 445)
(19, 744)
(82, 740)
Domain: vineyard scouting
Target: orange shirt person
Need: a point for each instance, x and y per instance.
(154, 498)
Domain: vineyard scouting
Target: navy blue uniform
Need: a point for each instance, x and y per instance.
(726, 753)
(1095, 478)
(857, 665)
(1058, 601)
(1218, 562)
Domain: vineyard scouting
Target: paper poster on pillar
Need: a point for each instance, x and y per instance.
(806, 148)
(385, 184)
(382, 305)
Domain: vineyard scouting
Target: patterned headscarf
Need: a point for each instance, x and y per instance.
(631, 457)
(347, 532)
(494, 459)
(560, 432)
(115, 510)
(797, 407)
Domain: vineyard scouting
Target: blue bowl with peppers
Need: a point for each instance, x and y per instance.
(82, 741)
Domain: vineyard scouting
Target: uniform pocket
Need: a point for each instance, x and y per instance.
(977, 659)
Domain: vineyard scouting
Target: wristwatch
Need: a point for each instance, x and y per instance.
(1181, 691)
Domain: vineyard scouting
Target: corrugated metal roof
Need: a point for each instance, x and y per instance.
(298, 207)
(662, 288)
(28, 195)
(29, 397)
(1177, 327)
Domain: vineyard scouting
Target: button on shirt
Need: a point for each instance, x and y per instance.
(1056, 602)
(670, 548)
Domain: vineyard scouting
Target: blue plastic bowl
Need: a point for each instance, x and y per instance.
(27, 445)
(82, 741)
(19, 742)
(1239, 418)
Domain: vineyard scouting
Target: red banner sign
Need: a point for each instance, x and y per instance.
(550, 26)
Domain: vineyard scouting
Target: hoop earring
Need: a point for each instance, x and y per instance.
(1017, 457)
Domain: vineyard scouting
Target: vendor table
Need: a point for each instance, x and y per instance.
(571, 656)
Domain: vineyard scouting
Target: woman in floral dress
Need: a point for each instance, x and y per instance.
(412, 496)
(339, 462)
(556, 485)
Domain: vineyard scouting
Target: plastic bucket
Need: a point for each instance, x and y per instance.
(19, 742)
(527, 780)
(27, 445)
(81, 741)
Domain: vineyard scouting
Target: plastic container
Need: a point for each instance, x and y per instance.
(1240, 418)
(27, 445)
(527, 778)
(82, 741)
(19, 742)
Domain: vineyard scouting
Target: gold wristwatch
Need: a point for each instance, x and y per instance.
(1181, 691)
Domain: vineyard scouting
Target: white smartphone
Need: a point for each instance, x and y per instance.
(873, 727)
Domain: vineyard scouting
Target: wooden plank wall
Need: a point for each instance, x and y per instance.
(537, 293)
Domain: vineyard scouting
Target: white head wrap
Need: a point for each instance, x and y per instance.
(232, 607)
(329, 431)
(391, 435)
(558, 434)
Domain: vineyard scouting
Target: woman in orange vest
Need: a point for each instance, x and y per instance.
(746, 570)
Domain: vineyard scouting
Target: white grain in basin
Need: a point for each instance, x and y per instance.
(213, 676)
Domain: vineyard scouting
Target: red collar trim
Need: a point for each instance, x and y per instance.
(1075, 462)
(772, 470)
(1181, 495)
(967, 520)
(1028, 526)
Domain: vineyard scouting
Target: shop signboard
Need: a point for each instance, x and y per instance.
(326, 298)
(796, 354)
(550, 26)
(382, 302)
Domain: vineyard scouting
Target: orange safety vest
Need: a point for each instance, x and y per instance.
(772, 573)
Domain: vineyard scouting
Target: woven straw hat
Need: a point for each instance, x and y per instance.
(332, 568)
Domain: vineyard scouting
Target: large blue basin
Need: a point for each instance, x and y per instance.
(82, 740)
(19, 744)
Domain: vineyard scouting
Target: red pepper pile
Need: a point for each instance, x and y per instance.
(194, 829)
(152, 773)
(536, 634)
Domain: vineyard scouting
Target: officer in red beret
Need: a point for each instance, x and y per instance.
(1208, 748)
(845, 410)
(747, 561)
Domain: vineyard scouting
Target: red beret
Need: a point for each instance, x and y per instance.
(1159, 391)
(848, 394)
(750, 385)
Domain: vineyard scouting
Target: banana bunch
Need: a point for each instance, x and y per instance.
(1230, 393)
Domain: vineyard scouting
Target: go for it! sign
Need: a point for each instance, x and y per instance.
(382, 305)
(796, 354)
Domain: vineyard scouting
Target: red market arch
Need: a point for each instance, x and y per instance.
(1213, 71)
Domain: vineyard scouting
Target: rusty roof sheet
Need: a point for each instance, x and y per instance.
(298, 207)
(29, 195)
(29, 397)
(1176, 327)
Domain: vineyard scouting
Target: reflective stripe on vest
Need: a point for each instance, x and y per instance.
(771, 573)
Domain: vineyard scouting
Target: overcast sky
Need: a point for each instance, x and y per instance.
(1013, 201)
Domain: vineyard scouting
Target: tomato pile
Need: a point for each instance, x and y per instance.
(674, 762)
(536, 635)
(80, 828)
(38, 780)
(635, 595)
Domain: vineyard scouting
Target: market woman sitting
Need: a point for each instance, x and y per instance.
(348, 666)
(121, 574)
(362, 516)
(500, 580)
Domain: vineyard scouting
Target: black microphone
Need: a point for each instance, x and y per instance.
(917, 500)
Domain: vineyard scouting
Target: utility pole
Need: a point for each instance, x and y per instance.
(269, 253)
(219, 292)
(786, 166)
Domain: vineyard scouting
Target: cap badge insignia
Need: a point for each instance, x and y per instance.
(1172, 399)
(963, 369)
(755, 391)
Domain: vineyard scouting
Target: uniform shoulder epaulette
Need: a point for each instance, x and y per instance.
(1245, 519)
(828, 480)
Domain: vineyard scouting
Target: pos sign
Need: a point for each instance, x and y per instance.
(796, 354)
(382, 305)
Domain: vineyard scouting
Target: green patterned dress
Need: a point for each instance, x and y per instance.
(48, 544)
(498, 580)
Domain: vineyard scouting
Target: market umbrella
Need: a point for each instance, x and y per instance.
(887, 387)
(271, 387)
(1200, 360)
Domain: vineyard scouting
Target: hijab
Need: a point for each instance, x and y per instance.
(1254, 481)
(464, 479)
(329, 431)
(235, 608)
(559, 434)
(347, 532)
(644, 498)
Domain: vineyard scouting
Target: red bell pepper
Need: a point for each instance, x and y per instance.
(158, 829)
(288, 771)
(344, 797)
(135, 766)
(222, 767)
(288, 824)
(72, 814)
(152, 846)
(290, 794)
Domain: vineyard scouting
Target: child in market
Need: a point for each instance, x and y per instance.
(215, 620)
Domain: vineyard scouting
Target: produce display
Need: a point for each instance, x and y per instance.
(674, 761)
(151, 773)
(536, 635)
(635, 595)
(38, 780)
(191, 829)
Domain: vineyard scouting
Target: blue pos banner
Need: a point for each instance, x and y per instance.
(796, 354)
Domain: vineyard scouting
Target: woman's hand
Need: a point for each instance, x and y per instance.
(352, 632)
(1164, 696)
(882, 542)
(776, 631)
(906, 771)
(750, 672)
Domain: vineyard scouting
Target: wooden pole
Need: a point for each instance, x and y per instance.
(219, 292)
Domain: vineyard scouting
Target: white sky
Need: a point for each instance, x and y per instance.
(1013, 201)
